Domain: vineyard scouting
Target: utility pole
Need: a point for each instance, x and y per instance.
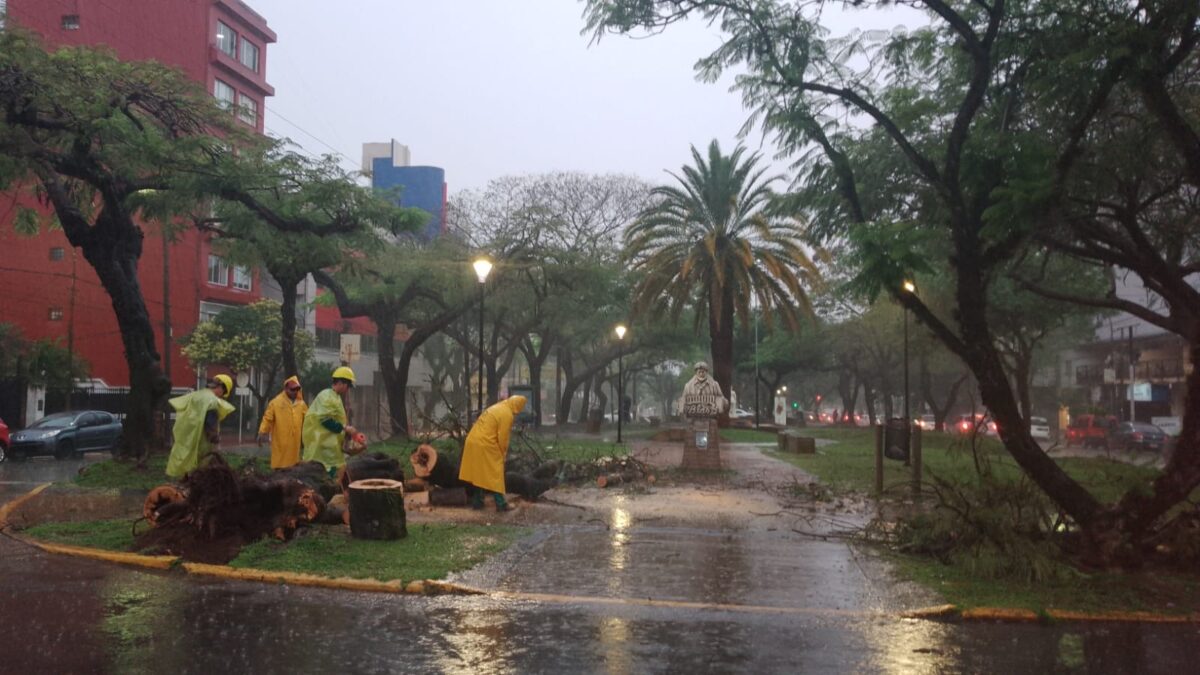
(71, 333)
(1132, 398)
(166, 289)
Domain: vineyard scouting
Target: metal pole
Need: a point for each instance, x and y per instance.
(480, 348)
(755, 371)
(907, 414)
(915, 452)
(878, 459)
(1132, 400)
(620, 390)
(467, 369)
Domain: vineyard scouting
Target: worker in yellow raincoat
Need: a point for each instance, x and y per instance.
(283, 420)
(325, 424)
(485, 450)
(198, 417)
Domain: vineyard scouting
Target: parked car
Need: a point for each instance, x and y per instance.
(1137, 436)
(3, 441)
(977, 423)
(927, 422)
(1039, 428)
(1090, 430)
(65, 434)
(740, 413)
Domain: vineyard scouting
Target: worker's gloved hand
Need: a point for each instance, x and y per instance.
(260, 439)
(350, 431)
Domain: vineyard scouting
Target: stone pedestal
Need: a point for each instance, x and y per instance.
(702, 444)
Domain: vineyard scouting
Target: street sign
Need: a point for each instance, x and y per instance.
(242, 391)
(351, 347)
(243, 379)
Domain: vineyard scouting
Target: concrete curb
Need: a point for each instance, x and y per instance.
(1017, 615)
(9, 507)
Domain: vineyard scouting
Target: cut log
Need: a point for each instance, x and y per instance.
(615, 479)
(448, 497)
(377, 509)
(423, 459)
(159, 497)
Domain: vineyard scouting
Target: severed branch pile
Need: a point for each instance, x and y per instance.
(213, 512)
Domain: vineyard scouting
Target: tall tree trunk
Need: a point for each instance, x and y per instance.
(287, 311)
(113, 252)
(1023, 373)
(395, 376)
(720, 330)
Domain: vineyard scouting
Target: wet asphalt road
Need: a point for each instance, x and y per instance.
(744, 601)
(17, 478)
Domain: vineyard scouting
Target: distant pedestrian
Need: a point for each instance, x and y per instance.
(326, 425)
(485, 450)
(197, 428)
(284, 420)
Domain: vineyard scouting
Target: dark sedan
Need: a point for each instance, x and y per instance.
(65, 434)
(1137, 436)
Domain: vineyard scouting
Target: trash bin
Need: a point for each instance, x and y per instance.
(896, 435)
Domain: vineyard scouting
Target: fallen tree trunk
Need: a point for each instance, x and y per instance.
(377, 509)
(213, 512)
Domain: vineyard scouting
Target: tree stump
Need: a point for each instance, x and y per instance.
(377, 509)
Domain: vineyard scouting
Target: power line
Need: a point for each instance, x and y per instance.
(302, 130)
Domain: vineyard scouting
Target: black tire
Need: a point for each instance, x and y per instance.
(16, 455)
(64, 450)
(116, 446)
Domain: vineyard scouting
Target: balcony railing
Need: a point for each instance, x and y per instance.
(1160, 369)
(1089, 375)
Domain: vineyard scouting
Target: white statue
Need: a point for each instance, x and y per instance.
(702, 395)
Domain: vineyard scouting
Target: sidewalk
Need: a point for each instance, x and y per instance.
(727, 542)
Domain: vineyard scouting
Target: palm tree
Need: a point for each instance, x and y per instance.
(709, 243)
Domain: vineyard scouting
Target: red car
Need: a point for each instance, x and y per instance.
(3, 441)
(1090, 430)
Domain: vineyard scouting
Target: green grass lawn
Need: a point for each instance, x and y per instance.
(1151, 592)
(430, 551)
(849, 463)
(113, 474)
(111, 535)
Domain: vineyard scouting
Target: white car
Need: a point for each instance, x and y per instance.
(1039, 428)
(740, 413)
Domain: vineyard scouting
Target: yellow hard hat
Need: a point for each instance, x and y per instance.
(344, 373)
(226, 382)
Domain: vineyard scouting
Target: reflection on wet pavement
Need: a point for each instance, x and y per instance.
(62, 615)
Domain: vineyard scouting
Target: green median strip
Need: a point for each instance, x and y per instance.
(430, 551)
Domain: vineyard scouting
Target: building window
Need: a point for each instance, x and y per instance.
(56, 314)
(57, 253)
(327, 338)
(210, 310)
(370, 344)
(248, 110)
(226, 39)
(241, 278)
(70, 22)
(223, 93)
(250, 55)
(218, 271)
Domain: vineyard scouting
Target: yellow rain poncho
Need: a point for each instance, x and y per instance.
(487, 445)
(283, 419)
(321, 444)
(191, 444)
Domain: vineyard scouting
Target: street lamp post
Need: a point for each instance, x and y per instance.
(482, 267)
(909, 287)
(756, 371)
(620, 378)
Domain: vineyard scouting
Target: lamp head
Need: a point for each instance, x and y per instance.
(621, 331)
(910, 286)
(482, 266)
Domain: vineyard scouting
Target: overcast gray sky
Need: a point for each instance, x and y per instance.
(485, 88)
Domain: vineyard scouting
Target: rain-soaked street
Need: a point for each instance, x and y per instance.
(638, 590)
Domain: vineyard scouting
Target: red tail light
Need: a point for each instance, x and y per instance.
(1137, 436)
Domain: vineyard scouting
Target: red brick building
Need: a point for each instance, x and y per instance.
(48, 290)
